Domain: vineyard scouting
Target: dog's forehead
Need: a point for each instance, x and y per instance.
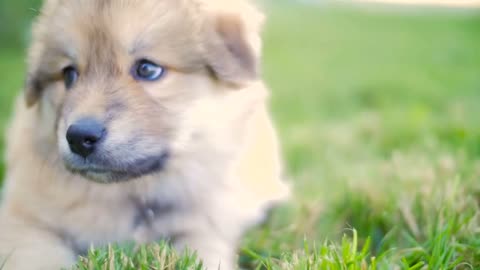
(138, 27)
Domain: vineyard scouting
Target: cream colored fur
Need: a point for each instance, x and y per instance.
(217, 185)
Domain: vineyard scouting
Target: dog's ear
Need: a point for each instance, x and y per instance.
(38, 59)
(33, 88)
(38, 73)
(41, 72)
(232, 49)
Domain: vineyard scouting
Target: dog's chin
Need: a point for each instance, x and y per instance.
(105, 174)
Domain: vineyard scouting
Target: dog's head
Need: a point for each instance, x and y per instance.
(121, 78)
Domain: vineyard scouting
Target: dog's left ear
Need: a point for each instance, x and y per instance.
(232, 49)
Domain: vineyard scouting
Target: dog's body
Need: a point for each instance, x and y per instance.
(191, 158)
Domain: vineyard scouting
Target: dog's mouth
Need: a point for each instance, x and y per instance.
(115, 171)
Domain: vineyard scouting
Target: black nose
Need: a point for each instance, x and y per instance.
(84, 135)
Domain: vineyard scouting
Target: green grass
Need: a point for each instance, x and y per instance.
(154, 256)
(378, 113)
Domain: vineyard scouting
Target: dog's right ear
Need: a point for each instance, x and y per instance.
(39, 74)
(33, 88)
(37, 79)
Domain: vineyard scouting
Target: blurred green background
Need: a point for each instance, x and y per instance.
(378, 110)
(15, 20)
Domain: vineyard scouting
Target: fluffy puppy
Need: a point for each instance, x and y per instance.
(141, 120)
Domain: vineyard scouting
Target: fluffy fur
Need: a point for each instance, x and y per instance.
(209, 111)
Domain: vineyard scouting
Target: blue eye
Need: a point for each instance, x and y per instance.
(70, 76)
(145, 70)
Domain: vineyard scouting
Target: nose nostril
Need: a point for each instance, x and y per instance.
(89, 143)
(90, 140)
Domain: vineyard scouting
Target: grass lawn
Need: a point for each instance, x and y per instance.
(379, 117)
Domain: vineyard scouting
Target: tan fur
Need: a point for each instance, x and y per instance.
(210, 110)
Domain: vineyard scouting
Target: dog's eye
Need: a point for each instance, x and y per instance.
(70, 76)
(145, 70)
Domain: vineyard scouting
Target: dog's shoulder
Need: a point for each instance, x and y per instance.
(259, 168)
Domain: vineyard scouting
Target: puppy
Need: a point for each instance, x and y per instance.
(141, 120)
